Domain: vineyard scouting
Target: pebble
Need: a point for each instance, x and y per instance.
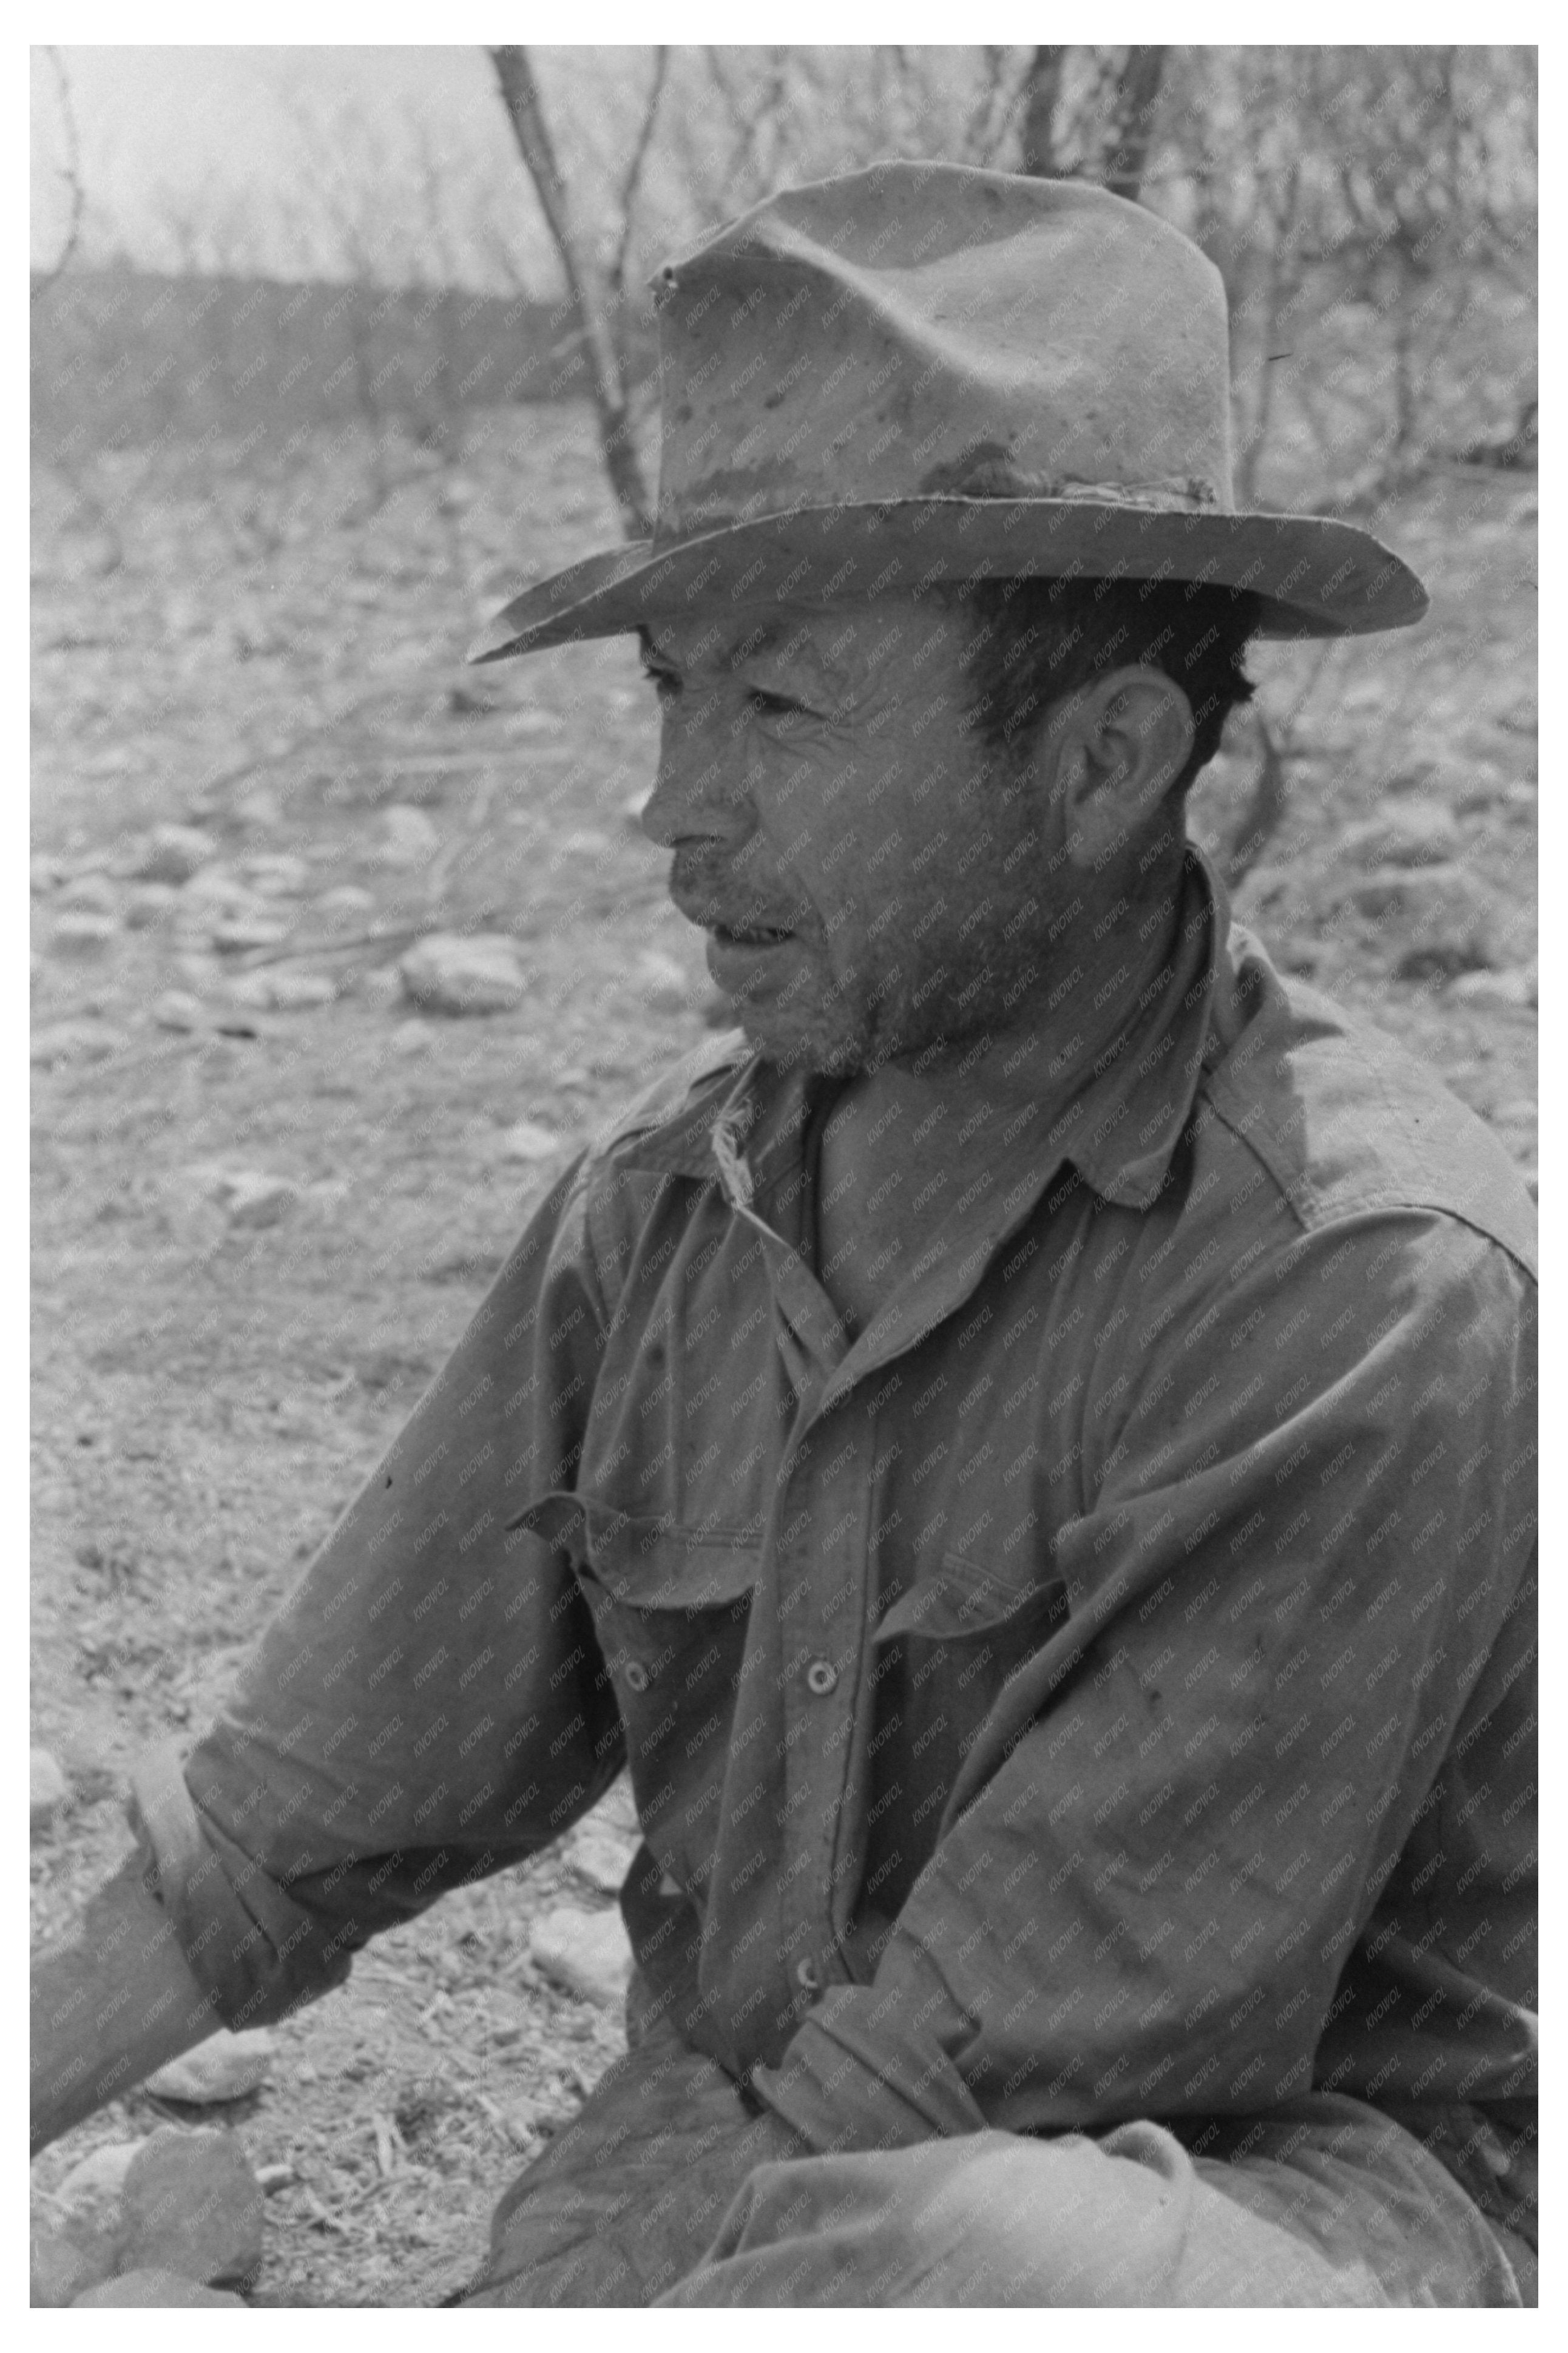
(162, 2291)
(253, 1200)
(412, 1038)
(150, 904)
(258, 811)
(410, 839)
(1495, 992)
(661, 982)
(48, 1788)
(73, 1041)
(528, 1141)
(63, 2265)
(224, 2067)
(191, 2205)
(284, 992)
(173, 853)
(346, 899)
(454, 973)
(276, 874)
(45, 874)
(178, 1009)
(90, 894)
(94, 2187)
(587, 1952)
(273, 2178)
(241, 932)
(1407, 833)
(602, 1859)
(84, 935)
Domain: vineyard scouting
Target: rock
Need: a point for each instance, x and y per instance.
(45, 874)
(217, 890)
(90, 894)
(150, 904)
(174, 853)
(258, 811)
(1405, 833)
(191, 2204)
(1495, 992)
(345, 899)
(587, 1952)
(273, 2178)
(63, 2264)
(238, 932)
(602, 1859)
(178, 1010)
(1439, 920)
(250, 1199)
(84, 935)
(161, 2291)
(276, 874)
(410, 839)
(48, 1788)
(454, 973)
(661, 982)
(284, 992)
(382, 985)
(93, 2188)
(224, 2067)
(412, 1038)
(73, 1041)
(528, 1141)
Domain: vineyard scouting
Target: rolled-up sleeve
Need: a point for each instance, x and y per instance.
(1162, 1851)
(430, 1705)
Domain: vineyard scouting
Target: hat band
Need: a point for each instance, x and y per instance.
(1172, 495)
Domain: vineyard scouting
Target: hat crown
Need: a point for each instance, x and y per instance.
(928, 330)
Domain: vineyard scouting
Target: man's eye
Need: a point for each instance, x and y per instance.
(771, 706)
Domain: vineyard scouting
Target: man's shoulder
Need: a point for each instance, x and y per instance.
(1343, 1120)
(665, 1128)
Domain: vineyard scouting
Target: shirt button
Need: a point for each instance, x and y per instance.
(805, 1976)
(821, 1677)
(636, 1674)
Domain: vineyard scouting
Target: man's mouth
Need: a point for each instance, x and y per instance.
(749, 935)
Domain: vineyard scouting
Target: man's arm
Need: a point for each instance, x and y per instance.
(109, 2005)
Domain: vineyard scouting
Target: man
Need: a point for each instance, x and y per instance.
(1025, 1455)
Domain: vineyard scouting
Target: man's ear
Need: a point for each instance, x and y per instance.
(1120, 747)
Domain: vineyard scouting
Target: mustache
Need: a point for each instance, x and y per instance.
(708, 893)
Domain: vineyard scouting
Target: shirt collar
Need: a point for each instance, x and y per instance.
(1119, 1131)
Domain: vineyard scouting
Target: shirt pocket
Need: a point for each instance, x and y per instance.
(960, 1632)
(670, 1612)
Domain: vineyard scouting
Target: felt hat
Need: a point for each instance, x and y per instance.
(924, 373)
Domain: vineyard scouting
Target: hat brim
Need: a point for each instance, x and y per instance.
(1314, 577)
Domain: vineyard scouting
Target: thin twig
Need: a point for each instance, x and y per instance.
(634, 171)
(72, 174)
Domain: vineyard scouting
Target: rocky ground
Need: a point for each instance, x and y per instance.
(279, 1147)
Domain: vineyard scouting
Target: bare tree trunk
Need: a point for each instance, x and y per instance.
(1132, 120)
(1043, 87)
(519, 95)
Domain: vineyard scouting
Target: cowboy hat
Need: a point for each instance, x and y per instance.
(924, 373)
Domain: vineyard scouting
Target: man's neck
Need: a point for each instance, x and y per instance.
(899, 1138)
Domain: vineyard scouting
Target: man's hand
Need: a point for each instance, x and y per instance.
(109, 2005)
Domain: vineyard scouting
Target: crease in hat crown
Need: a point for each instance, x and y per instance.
(923, 372)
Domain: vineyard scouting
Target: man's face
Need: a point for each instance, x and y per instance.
(869, 880)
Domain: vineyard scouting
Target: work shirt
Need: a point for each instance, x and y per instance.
(1103, 1687)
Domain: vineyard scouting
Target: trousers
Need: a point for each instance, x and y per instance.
(654, 2196)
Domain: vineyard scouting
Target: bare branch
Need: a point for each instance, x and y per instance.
(634, 171)
(72, 176)
(519, 95)
(1043, 86)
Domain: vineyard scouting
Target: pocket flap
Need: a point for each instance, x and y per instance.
(654, 1564)
(963, 1598)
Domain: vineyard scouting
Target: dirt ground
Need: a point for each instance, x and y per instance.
(267, 653)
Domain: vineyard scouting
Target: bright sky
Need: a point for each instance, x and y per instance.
(254, 157)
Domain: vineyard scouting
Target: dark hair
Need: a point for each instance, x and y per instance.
(1034, 640)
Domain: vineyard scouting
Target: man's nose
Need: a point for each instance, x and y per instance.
(700, 793)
